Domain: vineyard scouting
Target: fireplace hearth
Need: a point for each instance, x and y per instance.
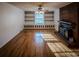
(65, 30)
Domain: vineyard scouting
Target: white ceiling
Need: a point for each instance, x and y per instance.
(31, 6)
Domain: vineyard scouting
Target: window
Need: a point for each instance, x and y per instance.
(39, 18)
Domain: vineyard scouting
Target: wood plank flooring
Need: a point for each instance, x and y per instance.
(37, 43)
(57, 46)
(27, 43)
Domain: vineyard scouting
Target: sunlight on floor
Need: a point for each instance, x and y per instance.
(57, 47)
(49, 37)
(60, 49)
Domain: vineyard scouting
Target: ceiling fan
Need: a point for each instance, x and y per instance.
(41, 8)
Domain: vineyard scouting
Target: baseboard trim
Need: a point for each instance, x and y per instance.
(12, 38)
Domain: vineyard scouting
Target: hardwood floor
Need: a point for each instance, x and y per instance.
(27, 43)
(37, 43)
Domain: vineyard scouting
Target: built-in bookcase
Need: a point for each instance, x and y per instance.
(30, 20)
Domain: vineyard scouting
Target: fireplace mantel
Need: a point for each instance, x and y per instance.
(71, 15)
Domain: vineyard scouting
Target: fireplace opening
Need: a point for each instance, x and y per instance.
(65, 30)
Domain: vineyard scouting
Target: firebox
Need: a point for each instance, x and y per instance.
(65, 30)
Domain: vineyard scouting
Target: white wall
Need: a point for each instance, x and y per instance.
(11, 22)
(56, 18)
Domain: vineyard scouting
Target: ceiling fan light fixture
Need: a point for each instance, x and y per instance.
(40, 8)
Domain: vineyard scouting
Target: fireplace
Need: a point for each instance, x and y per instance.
(65, 30)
